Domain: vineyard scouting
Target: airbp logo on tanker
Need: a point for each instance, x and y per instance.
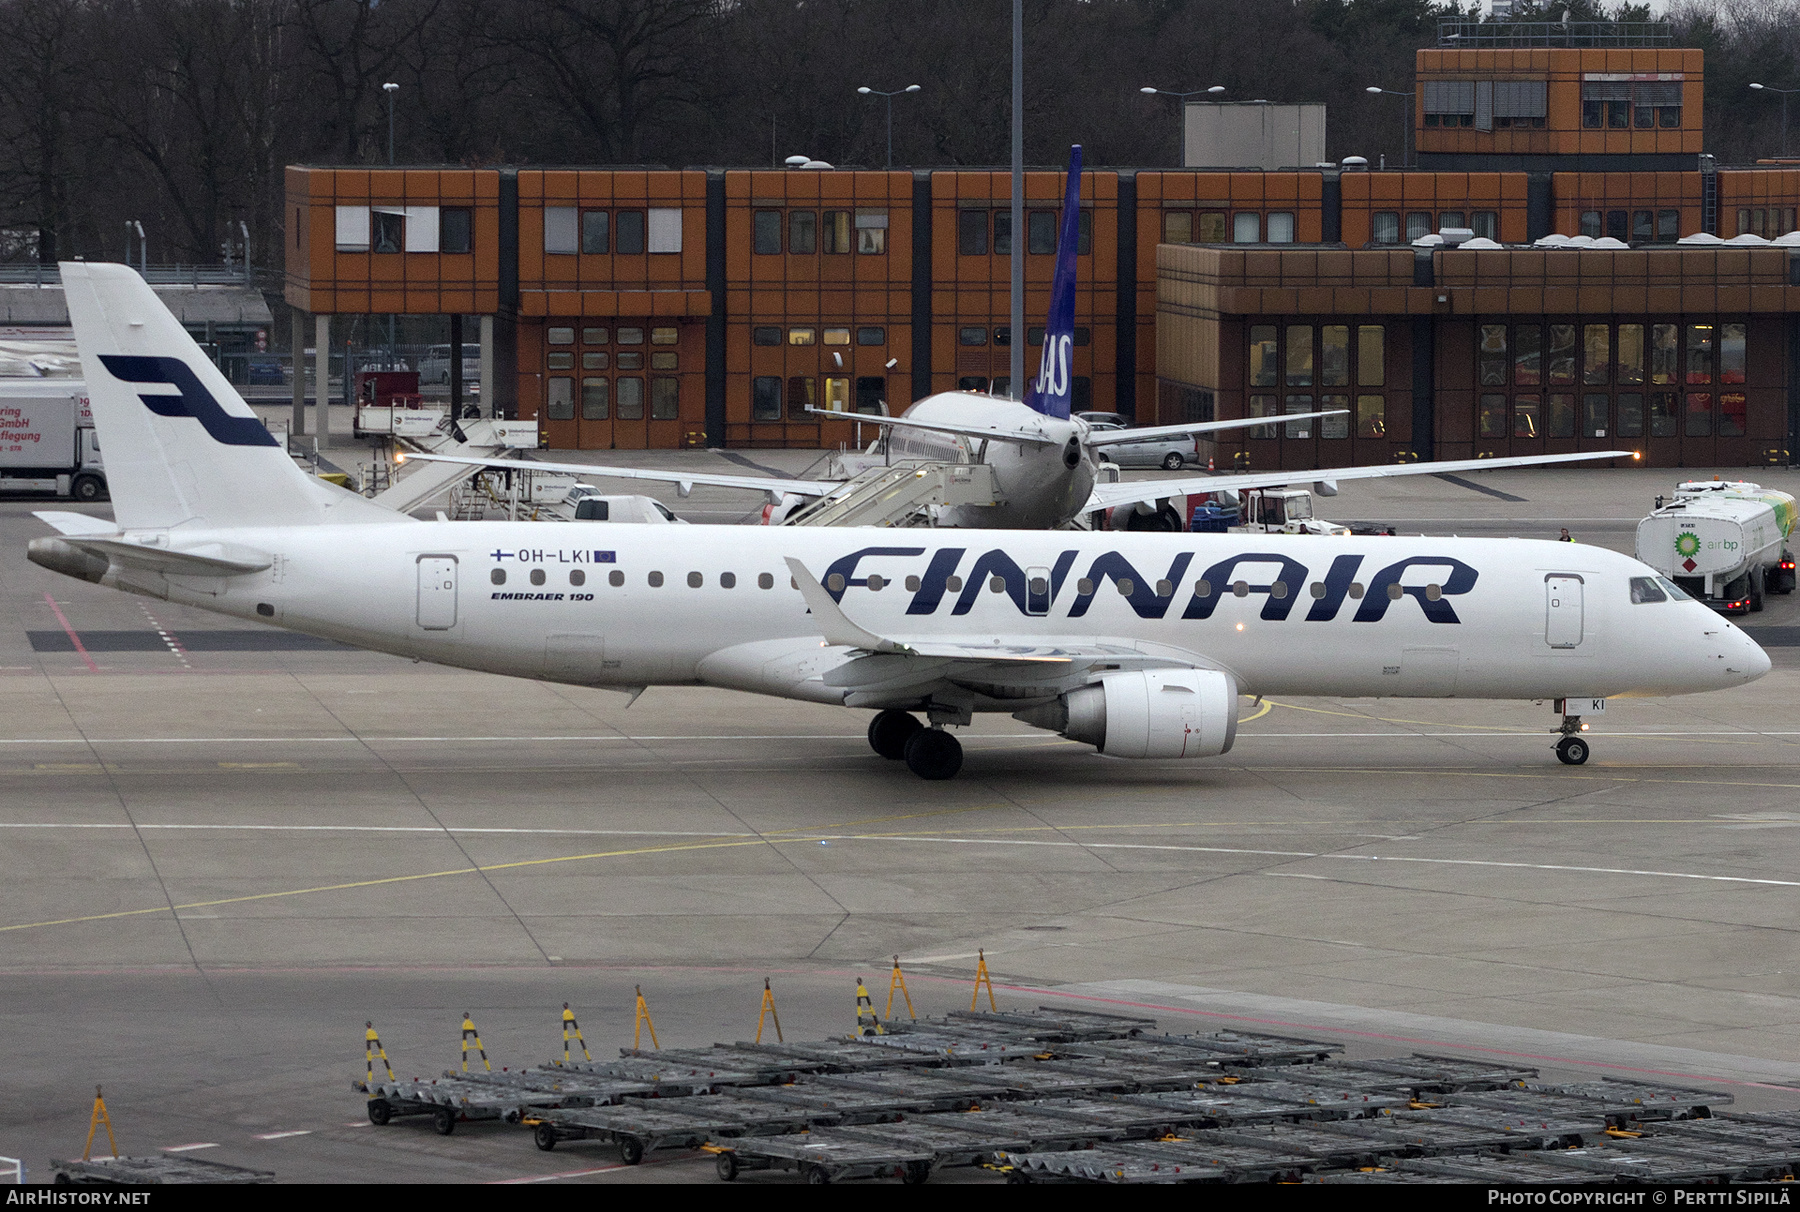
(1157, 592)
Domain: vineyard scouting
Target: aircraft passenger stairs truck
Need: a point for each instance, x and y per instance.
(47, 440)
(1723, 541)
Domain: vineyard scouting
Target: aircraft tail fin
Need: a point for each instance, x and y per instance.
(1050, 392)
(181, 446)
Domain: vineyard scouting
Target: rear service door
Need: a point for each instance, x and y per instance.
(1562, 610)
(437, 592)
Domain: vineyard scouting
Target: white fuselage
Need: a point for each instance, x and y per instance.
(1043, 485)
(1469, 618)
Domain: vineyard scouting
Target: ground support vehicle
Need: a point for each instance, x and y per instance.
(142, 1171)
(823, 1157)
(1281, 511)
(47, 439)
(643, 1125)
(447, 1100)
(1723, 542)
(1160, 1163)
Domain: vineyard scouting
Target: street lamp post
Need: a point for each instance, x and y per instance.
(875, 92)
(1182, 97)
(1765, 88)
(1406, 130)
(390, 89)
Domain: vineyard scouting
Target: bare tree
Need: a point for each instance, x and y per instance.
(610, 69)
(42, 58)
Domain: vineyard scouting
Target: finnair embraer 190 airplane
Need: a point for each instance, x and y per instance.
(1045, 460)
(1138, 644)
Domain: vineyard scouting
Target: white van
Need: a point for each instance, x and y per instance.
(434, 367)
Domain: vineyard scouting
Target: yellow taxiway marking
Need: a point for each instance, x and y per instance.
(774, 837)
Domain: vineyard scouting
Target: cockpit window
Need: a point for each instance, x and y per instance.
(1675, 592)
(1645, 589)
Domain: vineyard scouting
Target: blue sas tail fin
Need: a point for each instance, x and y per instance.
(1050, 392)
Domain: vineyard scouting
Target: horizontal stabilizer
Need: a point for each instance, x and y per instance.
(74, 523)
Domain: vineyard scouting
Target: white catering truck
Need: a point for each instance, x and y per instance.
(1723, 541)
(47, 441)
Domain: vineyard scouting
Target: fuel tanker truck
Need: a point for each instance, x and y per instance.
(1723, 541)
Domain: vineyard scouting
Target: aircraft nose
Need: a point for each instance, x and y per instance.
(1753, 661)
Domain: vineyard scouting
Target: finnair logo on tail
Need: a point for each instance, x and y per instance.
(193, 401)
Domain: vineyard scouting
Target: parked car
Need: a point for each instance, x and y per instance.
(589, 504)
(265, 370)
(1170, 453)
(434, 367)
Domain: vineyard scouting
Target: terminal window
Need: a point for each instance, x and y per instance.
(596, 232)
(766, 233)
(972, 233)
(803, 394)
(803, 232)
(765, 398)
(629, 233)
(455, 229)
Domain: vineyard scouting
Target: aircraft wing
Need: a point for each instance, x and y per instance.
(1107, 496)
(986, 434)
(1155, 433)
(683, 480)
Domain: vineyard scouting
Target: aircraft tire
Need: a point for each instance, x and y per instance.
(890, 730)
(1572, 751)
(934, 754)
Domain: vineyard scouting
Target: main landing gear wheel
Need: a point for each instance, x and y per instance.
(932, 753)
(1572, 751)
(890, 730)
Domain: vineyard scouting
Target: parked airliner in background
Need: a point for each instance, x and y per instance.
(1046, 461)
(1138, 644)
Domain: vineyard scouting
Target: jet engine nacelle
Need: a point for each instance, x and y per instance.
(1154, 713)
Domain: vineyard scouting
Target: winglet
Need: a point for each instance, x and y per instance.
(833, 625)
